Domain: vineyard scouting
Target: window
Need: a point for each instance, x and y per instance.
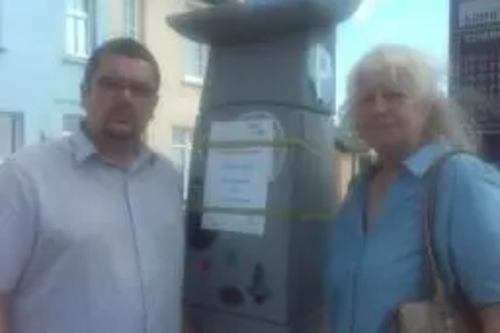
(1, 25)
(181, 153)
(71, 123)
(79, 28)
(130, 10)
(195, 61)
(11, 133)
(363, 162)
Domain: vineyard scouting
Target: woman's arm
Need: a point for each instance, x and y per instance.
(475, 237)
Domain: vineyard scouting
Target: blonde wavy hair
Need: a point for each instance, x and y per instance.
(416, 72)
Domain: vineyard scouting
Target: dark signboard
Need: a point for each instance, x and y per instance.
(475, 59)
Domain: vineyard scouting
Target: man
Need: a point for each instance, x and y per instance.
(91, 239)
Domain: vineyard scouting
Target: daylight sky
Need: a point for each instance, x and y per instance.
(419, 23)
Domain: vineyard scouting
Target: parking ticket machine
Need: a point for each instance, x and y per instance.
(475, 62)
(261, 188)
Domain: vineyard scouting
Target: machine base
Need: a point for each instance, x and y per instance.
(212, 321)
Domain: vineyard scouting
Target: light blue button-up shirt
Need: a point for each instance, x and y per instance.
(89, 248)
(368, 275)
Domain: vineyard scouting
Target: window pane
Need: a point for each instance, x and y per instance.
(18, 132)
(130, 17)
(204, 53)
(181, 158)
(82, 37)
(185, 173)
(78, 32)
(190, 58)
(198, 50)
(177, 136)
(71, 123)
(181, 136)
(70, 35)
(70, 5)
(7, 135)
(178, 158)
(194, 59)
(82, 5)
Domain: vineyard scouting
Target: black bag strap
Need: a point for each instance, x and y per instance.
(436, 287)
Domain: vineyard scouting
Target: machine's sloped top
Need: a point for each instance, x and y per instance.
(235, 22)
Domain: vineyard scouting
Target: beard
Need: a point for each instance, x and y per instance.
(121, 123)
(122, 131)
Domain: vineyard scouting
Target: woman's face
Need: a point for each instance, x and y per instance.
(387, 114)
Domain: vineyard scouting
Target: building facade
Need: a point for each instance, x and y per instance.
(40, 77)
(43, 49)
(182, 65)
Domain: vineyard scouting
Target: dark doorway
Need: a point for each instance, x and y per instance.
(491, 147)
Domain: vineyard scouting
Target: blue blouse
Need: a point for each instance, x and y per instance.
(369, 273)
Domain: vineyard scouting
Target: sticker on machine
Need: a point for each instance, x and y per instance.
(237, 176)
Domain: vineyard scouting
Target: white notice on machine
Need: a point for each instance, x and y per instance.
(237, 178)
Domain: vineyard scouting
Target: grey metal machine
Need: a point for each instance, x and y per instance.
(475, 62)
(261, 189)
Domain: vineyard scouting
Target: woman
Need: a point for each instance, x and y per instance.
(376, 247)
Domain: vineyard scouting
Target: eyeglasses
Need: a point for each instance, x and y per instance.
(115, 86)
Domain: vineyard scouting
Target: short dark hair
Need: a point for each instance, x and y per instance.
(123, 46)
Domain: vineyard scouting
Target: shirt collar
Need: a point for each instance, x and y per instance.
(420, 161)
(84, 149)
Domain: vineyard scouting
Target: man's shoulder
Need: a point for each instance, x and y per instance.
(168, 170)
(165, 164)
(35, 157)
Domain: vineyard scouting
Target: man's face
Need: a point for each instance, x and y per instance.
(120, 97)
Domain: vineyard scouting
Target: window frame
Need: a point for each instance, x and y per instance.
(78, 16)
(130, 11)
(195, 73)
(185, 148)
(2, 25)
(65, 120)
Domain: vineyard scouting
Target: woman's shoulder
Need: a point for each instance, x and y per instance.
(470, 184)
(468, 168)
